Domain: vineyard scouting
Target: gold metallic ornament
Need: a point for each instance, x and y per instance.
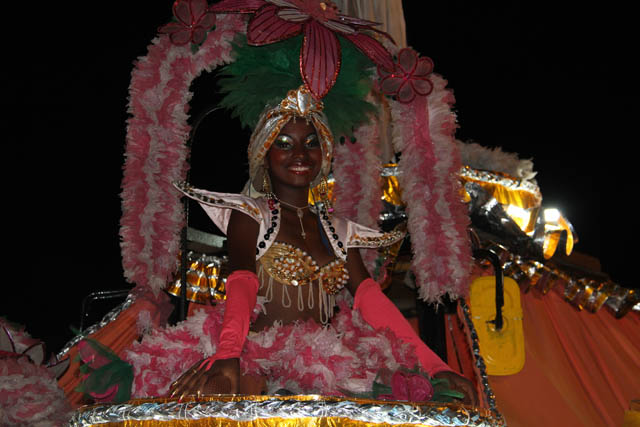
(324, 194)
(205, 279)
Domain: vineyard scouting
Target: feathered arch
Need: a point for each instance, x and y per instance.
(156, 156)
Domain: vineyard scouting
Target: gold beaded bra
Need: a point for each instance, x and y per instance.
(292, 266)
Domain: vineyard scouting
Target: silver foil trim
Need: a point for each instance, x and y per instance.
(583, 292)
(106, 319)
(508, 182)
(479, 364)
(392, 413)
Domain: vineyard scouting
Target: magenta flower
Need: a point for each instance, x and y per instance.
(399, 386)
(411, 387)
(420, 388)
(410, 77)
(194, 20)
(318, 21)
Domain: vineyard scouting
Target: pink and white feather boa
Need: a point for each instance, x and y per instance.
(423, 132)
(303, 357)
(356, 169)
(156, 153)
(30, 395)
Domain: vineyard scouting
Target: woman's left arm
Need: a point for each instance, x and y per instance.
(379, 312)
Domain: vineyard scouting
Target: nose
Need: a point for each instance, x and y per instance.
(300, 151)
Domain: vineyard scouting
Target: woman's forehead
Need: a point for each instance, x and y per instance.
(298, 125)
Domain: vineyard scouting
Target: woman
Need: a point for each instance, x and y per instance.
(276, 244)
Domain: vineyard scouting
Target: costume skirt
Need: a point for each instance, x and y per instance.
(341, 358)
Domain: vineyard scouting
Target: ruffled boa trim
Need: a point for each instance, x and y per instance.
(438, 218)
(156, 152)
(29, 393)
(303, 357)
(358, 192)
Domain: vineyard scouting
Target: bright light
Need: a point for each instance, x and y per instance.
(552, 215)
(519, 216)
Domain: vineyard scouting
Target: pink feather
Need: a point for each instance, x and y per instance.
(156, 154)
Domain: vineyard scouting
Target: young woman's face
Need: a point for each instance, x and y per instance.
(295, 157)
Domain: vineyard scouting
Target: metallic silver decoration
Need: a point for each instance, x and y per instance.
(479, 363)
(211, 242)
(505, 181)
(290, 407)
(488, 216)
(106, 319)
(581, 292)
(390, 171)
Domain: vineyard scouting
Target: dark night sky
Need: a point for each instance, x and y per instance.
(550, 83)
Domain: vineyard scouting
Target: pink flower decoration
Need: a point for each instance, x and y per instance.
(194, 20)
(399, 386)
(318, 21)
(410, 77)
(411, 387)
(420, 388)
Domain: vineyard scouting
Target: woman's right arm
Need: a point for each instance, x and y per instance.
(222, 376)
(242, 236)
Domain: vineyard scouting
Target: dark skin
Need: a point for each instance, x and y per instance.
(293, 161)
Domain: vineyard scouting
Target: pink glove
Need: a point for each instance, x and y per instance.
(379, 312)
(242, 288)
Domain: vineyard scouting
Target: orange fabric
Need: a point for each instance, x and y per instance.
(117, 335)
(581, 368)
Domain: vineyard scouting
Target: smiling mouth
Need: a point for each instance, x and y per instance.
(299, 169)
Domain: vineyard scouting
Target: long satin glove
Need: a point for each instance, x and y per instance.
(379, 312)
(242, 288)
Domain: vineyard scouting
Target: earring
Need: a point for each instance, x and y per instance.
(324, 194)
(266, 189)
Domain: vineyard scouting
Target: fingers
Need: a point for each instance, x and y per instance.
(208, 378)
(184, 383)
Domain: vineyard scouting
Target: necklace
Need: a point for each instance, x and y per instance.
(300, 212)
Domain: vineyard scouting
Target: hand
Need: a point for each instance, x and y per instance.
(221, 378)
(461, 384)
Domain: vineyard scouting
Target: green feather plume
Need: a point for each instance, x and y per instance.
(261, 76)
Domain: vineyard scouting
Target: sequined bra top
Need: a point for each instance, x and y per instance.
(296, 269)
(292, 266)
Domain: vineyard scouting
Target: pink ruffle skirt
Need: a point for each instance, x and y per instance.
(303, 358)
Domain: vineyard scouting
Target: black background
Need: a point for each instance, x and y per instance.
(550, 82)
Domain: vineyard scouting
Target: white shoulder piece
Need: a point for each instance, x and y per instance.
(344, 234)
(218, 206)
(360, 236)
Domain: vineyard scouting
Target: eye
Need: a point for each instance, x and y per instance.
(283, 142)
(312, 141)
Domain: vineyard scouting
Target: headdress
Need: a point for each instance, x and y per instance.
(264, 88)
